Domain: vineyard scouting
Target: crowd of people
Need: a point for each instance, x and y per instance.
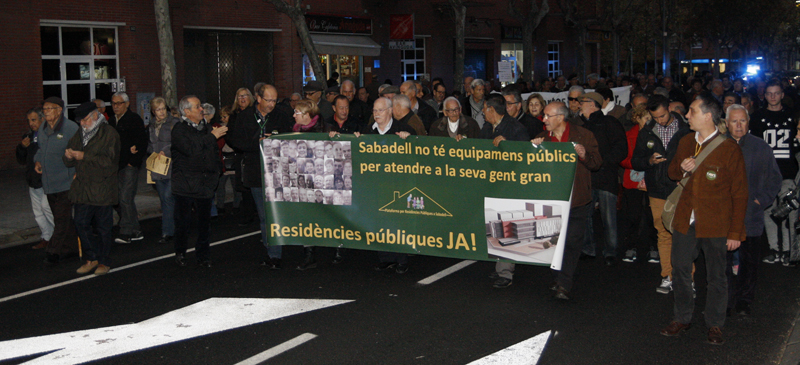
(730, 148)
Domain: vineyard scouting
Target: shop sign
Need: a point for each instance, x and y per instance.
(338, 25)
(404, 45)
(401, 26)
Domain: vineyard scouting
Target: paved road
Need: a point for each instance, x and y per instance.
(613, 318)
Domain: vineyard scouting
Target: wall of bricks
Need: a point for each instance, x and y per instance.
(139, 58)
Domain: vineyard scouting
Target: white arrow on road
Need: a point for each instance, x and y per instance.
(524, 353)
(199, 319)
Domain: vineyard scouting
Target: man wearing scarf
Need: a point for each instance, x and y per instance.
(94, 153)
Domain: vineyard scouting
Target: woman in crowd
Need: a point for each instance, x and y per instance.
(636, 226)
(227, 165)
(244, 98)
(536, 106)
(160, 132)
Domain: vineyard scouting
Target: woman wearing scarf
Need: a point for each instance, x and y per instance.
(160, 132)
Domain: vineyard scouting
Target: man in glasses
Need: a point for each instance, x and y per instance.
(454, 124)
(514, 108)
(575, 92)
(313, 90)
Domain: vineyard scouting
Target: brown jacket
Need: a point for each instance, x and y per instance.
(467, 127)
(717, 191)
(582, 187)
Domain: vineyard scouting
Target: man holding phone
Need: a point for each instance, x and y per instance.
(656, 145)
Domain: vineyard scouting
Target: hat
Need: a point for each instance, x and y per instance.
(332, 89)
(313, 86)
(390, 90)
(56, 100)
(83, 110)
(593, 96)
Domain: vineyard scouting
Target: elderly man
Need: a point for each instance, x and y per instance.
(775, 124)
(252, 125)
(561, 84)
(343, 121)
(581, 207)
(656, 146)
(613, 144)
(439, 94)
(709, 216)
(94, 153)
(133, 144)
(575, 93)
(401, 111)
(763, 182)
(26, 150)
(454, 124)
(382, 112)
(473, 102)
(675, 93)
(534, 126)
(359, 110)
(425, 112)
(57, 178)
(294, 98)
(313, 90)
(195, 174)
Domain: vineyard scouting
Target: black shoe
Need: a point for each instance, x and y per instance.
(52, 259)
(611, 261)
(401, 268)
(586, 257)
(205, 263)
(180, 259)
(743, 308)
(123, 239)
(165, 239)
(338, 258)
(137, 236)
(502, 283)
(272, 264)
(385, 266)
(494, 275)
(308, 262)
(561, 293)
(553, 286)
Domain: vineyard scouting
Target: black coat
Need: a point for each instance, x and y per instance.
(96, 180)
(246, 137)
(509, 128)
(396, 127)
(131, 133)
(195, 161)
(656, 177)
(350, 126)
(25, 157)
(426, 113)
(533, 125)
(613, 145)
(359, 112)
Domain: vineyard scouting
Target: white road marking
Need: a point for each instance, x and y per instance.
(203, 318)
(524, 353)
(87, 277)
(277, 350)
(445, 272)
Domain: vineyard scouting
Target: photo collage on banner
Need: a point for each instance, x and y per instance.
(304, 171)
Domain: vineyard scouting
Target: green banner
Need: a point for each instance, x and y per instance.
(422, 195)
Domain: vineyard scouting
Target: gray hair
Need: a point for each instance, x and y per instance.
(477, 82)
(38, 110)
(348, 82)
(715, 83)
(514, 93)
(386, 101)
(209, 109)
(452, 98)
(402, 101)
(102, 103)
(593, 77)
(380, 88)
(577, 88)
(661, 91)
(733, 107)
(185, 104)
(561, 109)
(411, 85)
(298, 94)
(122, 95)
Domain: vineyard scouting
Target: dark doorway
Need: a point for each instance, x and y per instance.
(217, 63)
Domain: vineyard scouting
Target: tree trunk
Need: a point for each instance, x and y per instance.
(615, 39)
(581, 61)
(166, 46)
(307, 46)
(716, 59)
(527, 52)
(460, 12)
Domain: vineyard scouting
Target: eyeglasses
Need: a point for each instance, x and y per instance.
(309, 93)
(512, 102)
(243, 97)
(572, 99)
(47, 108)
(548, 116)
(117, 103)
(452, 110)
(161, 109)
(270, 101)
(379, 110)
(297, 112)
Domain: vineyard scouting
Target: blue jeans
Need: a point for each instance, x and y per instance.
(95, 248)
(608, 214)
(274, 252)
(164, 188)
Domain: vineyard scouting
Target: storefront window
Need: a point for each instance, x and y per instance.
(512, 52)
(349, 68)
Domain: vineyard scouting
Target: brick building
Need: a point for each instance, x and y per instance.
(89, 49)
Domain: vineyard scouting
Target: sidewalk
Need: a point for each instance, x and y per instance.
(17, 225)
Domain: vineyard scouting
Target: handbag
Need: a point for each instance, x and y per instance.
(672, 201)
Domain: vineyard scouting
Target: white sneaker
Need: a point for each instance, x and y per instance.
(652, 257)
(630, 256)
(665, 287)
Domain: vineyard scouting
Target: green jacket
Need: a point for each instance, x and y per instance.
(96, 181)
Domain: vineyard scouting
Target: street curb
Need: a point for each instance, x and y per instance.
(791, 352)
